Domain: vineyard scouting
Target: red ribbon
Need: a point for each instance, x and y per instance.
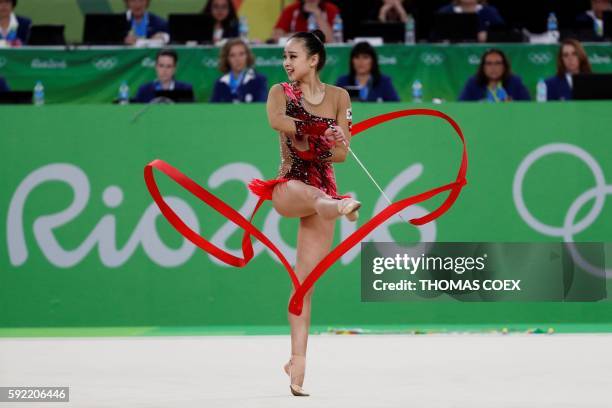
(296, 301)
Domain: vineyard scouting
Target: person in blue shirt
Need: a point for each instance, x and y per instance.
(594, 17)
(488, 16)
(364, 73)
(3, 85)
(240, 82)
(571, 60)
(225, 20)
(165, 68)
(14, 30)
(494, 81)
(144, 24)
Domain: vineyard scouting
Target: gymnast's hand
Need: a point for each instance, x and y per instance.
(335, 133)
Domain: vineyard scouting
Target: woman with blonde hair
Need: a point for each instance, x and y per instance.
(240, 82)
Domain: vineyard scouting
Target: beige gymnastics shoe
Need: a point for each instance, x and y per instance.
(295, 365)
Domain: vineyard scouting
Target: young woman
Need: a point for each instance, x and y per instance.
(225, 19)
(571, 59)
(494, 81)
(313, 121)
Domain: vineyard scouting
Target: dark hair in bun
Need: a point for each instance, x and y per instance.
(314, 44)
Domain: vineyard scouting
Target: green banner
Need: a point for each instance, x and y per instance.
(82, 243)
(94, 75)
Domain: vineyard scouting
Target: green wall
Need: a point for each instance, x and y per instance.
(111, 262)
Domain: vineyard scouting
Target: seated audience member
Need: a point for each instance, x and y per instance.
(143, 23)
(223, 13)
(3, 85)
(14, 30)
(594, 16)
(295, 16)
(494, 81)
(240, 82)
(365, 73)
(487, 15)
(165, 68)
(571, 59)
(391, 11)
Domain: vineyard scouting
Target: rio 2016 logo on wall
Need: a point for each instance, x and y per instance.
(145, 234)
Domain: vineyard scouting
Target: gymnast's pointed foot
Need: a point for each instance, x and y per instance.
(295, 369)
(348, 207)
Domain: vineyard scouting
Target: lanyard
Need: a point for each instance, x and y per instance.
(140, 29)
(235, 82)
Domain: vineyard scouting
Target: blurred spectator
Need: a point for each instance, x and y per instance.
(143, 23)
(165, 67)
(487, 15)
(392, 11)
(14, 30)
(571, 59)
(365, 73)
(240, 82)
(594, 16)
(295, 16)
(223, 13)
(494, 81)
(3, 85)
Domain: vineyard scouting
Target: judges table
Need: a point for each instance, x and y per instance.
(94, 74)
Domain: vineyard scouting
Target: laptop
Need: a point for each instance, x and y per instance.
(455, 27)
(176, 95)
(592, 86)
(16, 98)
(105, 29)
(504, 34)
(389, 32)
(47, 35)
(190, 27)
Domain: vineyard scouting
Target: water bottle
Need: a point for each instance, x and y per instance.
(541, 91)
(312, 22)
(338, 29)
(39, 94)
(243, 28)
(552, 26)
(417, 91)
(124, 93)
(409, 37)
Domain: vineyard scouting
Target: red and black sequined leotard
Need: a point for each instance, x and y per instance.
(309, 166)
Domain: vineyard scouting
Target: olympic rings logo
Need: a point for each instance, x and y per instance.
(432, 58)
(540, 58)
(570, 226)
(105, 64)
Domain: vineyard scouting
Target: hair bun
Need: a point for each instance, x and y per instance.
(320, 35)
